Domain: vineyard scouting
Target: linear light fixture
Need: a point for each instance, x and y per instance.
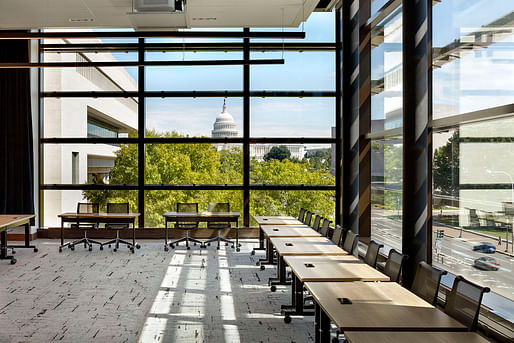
(16, 65)
(151, 34)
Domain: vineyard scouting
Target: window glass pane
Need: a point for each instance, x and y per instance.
(194, 164)
(473, 56)
(386, 191)
(311, 71)
(195, 117)
(159, 202)
(89, 117)
(60, 201)
(90, 163)
(194, 78)
(473, 170)
(288, 203)
(292, 117)
(291, 164)
(387, 73)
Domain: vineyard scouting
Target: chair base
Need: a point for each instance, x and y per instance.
(117, 241)
(88, 243)
(219, 239)
(186, 239)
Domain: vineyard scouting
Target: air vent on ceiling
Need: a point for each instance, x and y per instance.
(159, 5)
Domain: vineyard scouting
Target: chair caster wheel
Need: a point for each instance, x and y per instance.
(287, 319)
(132, 250)
(109, 245)
(166, 248)
(232, 247)
(226, 244)
(194, 243)
(273, 288)
(238, 250)
(218, 247)
(138, 246)
(36, 250)
(13, 251)
(188, 248)
(72, 247)
(263, 267)
(172, 246)
(90, 249)
(209, 244)
(101, 247)
(114, 249)
(60, 249)
(252, 253)
(13, 261)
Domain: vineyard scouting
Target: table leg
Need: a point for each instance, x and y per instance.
(62, 233)
(269, 254)
(133, 235)
(281, 278)
(317, 311)
(261, 241)
(166, 235)
(324, 326)
(27, 239)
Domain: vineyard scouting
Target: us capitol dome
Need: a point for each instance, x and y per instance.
(224, 126)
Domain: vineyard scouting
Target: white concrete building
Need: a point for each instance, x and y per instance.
(82, 117)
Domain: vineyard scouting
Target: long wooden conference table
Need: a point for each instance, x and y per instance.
(409, 337)
(8, 221)
(217, 217)
(374, 306)
(272, 220)
(99, 218)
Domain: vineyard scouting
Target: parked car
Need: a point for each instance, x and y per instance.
(485, 247)
(486, 263)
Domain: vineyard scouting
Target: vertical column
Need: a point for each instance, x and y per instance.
(246, 130)
(364, 121)
(141, 125)
(430, 147)
(350, 88)
(339, 116)
(415, 135)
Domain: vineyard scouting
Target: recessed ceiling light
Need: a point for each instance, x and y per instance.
(81, 20)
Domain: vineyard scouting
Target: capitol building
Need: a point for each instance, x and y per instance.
(224, 126)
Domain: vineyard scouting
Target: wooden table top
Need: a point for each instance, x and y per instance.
(346, 268)
(75, 215)
(289, 231)
(276, 220)
(379, 306)
(306, 246)
(8, 221)
(409, 337)
(202, 215)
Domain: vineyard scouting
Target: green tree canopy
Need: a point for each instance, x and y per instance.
(279, 152)
(446, 167)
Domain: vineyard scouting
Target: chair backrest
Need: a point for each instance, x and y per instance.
(463, 302)
(87, 207)
(122, 207)
(301, 215)
(317, 221)
(394, 264)
(218, 207)
(336, 235)
(324, 227)
(343, 235)
(350, 242)
(372, 253)
(426, 282)
(186, 207)
(308, 216)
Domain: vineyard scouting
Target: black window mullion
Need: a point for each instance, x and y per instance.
(141, 116)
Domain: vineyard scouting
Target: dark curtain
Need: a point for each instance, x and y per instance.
(16, 144)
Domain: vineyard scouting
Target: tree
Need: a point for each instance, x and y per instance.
(278, 153)
(446, 167)
(204, 164)
(320, 159)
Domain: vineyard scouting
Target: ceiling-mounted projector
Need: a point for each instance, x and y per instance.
(159, 5)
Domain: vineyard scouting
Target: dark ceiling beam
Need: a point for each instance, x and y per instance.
(184, 47)
(151, 34)
(13, 65)
(189, 94)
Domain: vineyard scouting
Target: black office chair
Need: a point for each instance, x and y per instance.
(337, 234)
(118, 208)
(394, 264)
(301, 215)
(372, 253)
(463, 302)
(317, 222)
(219, 207)
(426, 282)
(186, 226)
(83, 207)
(307, 219)
(350, 242)
(324, 227)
